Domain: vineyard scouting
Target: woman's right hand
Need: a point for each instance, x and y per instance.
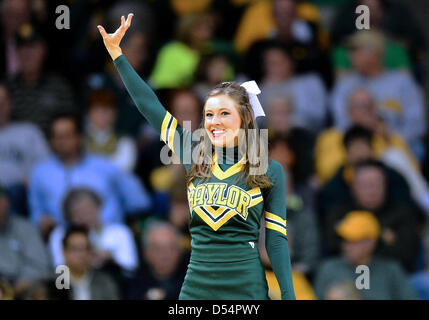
(113, 40)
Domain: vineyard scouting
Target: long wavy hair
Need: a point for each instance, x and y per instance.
(254, 153)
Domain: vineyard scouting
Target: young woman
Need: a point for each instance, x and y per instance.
(227, 198)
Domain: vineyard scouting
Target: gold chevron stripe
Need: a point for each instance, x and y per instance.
(215, 213)
(222, 175)
(215, 225)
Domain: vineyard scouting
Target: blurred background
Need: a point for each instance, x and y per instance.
(82, 184)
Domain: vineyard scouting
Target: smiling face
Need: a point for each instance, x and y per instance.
(222, 121)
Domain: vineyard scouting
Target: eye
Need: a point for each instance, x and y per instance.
(225, 113)
(209, 114)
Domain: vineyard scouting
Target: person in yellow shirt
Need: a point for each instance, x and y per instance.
(258, 21)
(329, 150)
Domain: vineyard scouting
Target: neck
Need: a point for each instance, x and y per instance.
(362, 261)
(31, 77)
(228, 155)
(374, 71)
(70, 159)
(78, 274)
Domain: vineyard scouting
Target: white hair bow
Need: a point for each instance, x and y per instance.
(253, 90)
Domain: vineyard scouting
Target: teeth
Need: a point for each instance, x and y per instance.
(218, 131)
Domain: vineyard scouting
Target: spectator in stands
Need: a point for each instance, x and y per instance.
(177, 61)
(305, 40)
(420, 283)
(399, 236)
(360, 231)
(163, 276)
(36, 93)
(211, 70)
(186, 107)
(112, 243)
(307, 91)
(395, 57)
(178, 214)
(392, 18)
(398, 98)
(23, 256)
(86, 283)
(293, 149)
(136, 48)
(342, 290)
(362, 111)
(358, 143)
(70, 166)
(14, 14)
(100, 135)
(6, 290)
(22, 145)
(388, 146)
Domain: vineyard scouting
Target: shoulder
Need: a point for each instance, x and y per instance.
(398, 75)
(389, 266)
(98, 161)
(45, 165)
(116, 229)
(309, 79)
(347, 81)
(330, 135)
(23, 127)
(174, 47)
(275, 172)
(22, 226)
(57, 234)
(275, 169)
(101, 278)
(331, 264)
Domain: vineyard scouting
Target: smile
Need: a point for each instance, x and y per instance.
(218, 133)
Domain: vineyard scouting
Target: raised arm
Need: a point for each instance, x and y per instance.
(143, 96)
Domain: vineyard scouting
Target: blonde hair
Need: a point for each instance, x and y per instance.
(203, 166)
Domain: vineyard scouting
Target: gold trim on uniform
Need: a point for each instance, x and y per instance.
(222, 175)
(215, 225)
(275, 222)
(256, 195)
(168, 130)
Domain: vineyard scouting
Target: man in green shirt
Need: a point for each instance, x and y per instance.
(375, 278)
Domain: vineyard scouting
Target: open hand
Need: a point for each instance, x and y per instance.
(113, 40)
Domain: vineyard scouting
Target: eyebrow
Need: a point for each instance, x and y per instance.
(220, 109)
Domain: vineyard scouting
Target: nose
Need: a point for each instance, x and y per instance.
(215, 120)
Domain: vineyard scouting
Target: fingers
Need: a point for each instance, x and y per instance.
(122, 21)
(102, 31)
(129, 18)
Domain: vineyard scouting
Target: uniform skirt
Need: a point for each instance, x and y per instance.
(240, 280)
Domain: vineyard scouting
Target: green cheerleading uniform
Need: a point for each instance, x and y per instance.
(225, 214)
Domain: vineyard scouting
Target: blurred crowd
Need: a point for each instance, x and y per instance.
(82, 184)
